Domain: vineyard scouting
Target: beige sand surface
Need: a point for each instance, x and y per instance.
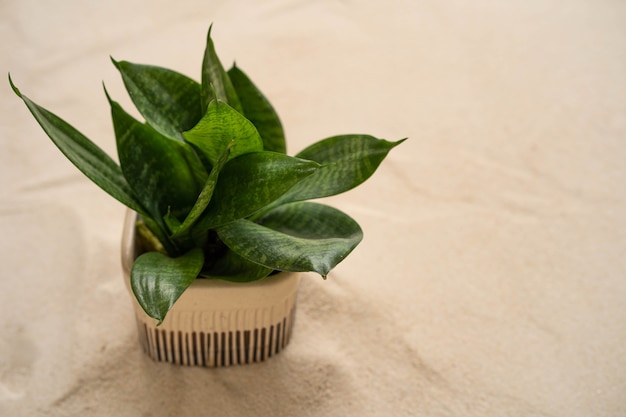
(492, 277)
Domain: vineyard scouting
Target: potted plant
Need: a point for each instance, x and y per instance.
(219, 222)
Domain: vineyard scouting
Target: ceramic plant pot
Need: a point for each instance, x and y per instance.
(217, 323)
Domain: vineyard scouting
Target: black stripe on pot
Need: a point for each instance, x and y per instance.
(230, 351)
(263, 331)
(246, 344)
(223, 349)
(194, 348)
(202, 349)
(157, 347)
(271, 340)
(171, 346)
(284, 342)
(181, 360)
(185, 353)
(278, 329)
(215, 349)
(167, 348)
(238, 347)
(171, 350)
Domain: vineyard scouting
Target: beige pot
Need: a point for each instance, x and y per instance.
(217, 323)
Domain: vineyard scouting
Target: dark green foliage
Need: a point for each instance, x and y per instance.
(209, 176)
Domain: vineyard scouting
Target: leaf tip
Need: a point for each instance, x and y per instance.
(112, 102)
(398, 142)
(106, 93)
(115, 62)
(13, 87)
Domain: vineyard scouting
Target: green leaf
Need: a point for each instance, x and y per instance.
(252, 181)
(215, 78)
(165, 175)
(348, 160)
(258, 109)
(84, 154)
(301, 236)
(234, 268)
(169, 101)
(205, 196)
(222, 127)
(158, 280)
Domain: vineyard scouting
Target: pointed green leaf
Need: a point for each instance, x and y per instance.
(169, 101)
(205, 196)
(301, 236)
(165, 175)
(84, 154)
(257, 108)
(158, 280)
(222, 127)
(348, 160)
(252, 181)
(214, 77)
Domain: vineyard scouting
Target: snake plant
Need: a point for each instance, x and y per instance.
(216, 194)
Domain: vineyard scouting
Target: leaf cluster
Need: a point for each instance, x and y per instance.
(208, 173)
